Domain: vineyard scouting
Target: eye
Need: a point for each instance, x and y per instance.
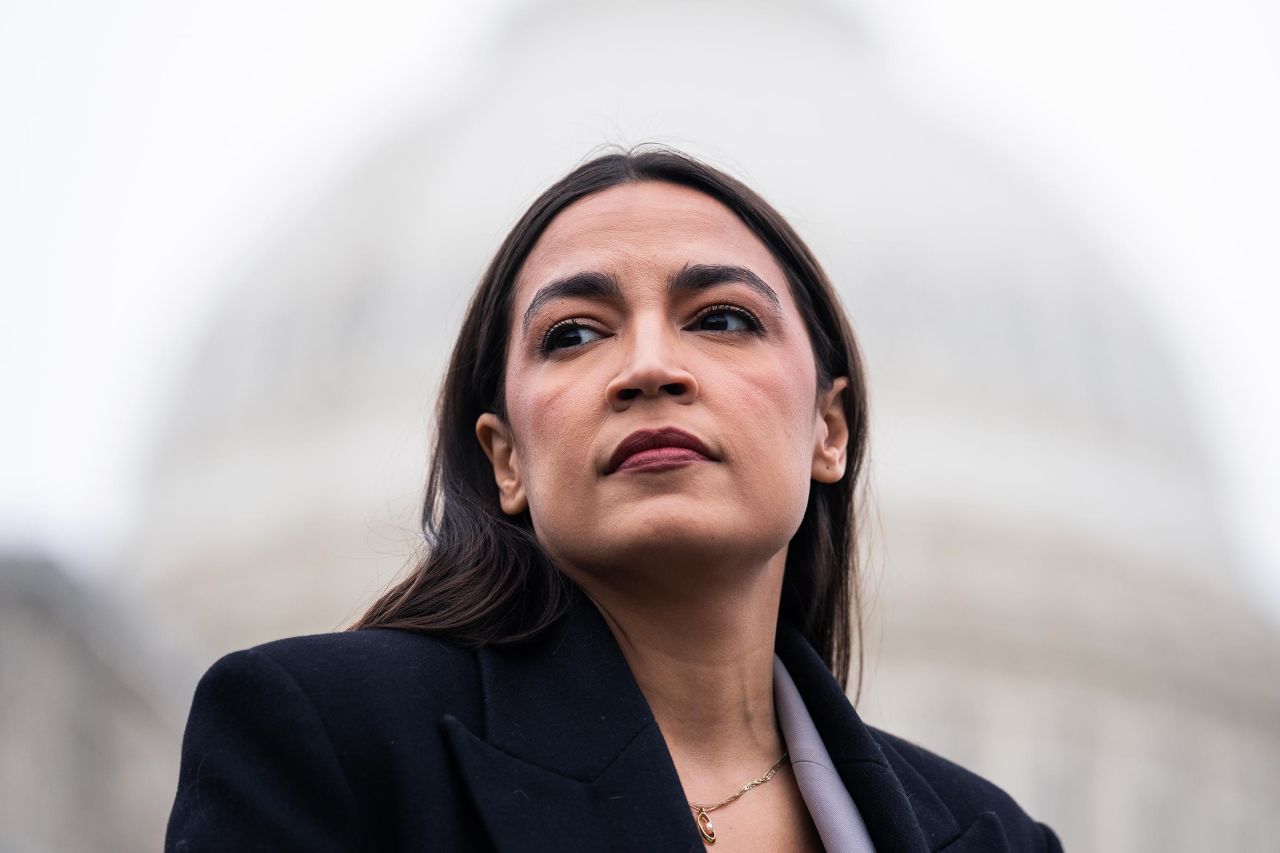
(726, 318)
(568, 334)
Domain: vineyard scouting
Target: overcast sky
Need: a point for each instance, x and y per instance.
(149, 145)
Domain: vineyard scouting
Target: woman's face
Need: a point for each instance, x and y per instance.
(645, 309)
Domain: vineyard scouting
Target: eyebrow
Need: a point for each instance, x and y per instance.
(694, 277)
(690, 278)
(588, 285)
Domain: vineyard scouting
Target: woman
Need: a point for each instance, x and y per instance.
(633, 624)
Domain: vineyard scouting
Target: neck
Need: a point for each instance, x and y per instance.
(702, 654)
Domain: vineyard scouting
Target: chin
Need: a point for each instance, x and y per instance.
(688, 538)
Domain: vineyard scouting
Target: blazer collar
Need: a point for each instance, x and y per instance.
(571, 757)
(901, 811)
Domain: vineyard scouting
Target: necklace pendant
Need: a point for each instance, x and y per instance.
(706, 827)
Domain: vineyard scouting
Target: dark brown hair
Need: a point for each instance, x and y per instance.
(484, 578)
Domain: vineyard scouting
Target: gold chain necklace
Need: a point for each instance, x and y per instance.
(705, 826)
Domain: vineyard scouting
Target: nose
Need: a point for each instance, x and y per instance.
(652, 369)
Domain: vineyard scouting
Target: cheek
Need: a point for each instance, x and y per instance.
(772, 426)
(554, 425)
(777, 412)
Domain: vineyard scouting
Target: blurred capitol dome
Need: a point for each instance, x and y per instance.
(1050, 565)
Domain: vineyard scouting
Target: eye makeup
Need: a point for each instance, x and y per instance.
(753, 324)
(571, 331)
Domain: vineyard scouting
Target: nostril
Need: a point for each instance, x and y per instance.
(674, 389)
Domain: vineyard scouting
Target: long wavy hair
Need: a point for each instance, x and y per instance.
(483, 578)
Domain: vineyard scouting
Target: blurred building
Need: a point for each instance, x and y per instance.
(1048, 560)
(90, 718)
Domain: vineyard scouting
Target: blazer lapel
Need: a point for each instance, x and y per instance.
(901, 814)
(571, 757)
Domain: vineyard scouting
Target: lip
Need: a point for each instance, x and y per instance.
(652, 439)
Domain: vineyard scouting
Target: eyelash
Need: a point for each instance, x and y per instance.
(754, 326)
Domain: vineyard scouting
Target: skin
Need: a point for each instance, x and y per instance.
(686, 563)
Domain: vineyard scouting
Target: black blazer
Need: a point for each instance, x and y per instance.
(387, 740)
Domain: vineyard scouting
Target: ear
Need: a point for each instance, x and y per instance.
(831, 434)
(495, 437)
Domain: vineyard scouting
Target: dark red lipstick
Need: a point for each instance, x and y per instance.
(657, 448)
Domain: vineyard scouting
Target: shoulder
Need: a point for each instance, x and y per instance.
(376, 675)
(374, 654)
(965, 794)
(291, 745)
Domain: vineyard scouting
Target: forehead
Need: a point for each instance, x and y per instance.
(649, 226)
